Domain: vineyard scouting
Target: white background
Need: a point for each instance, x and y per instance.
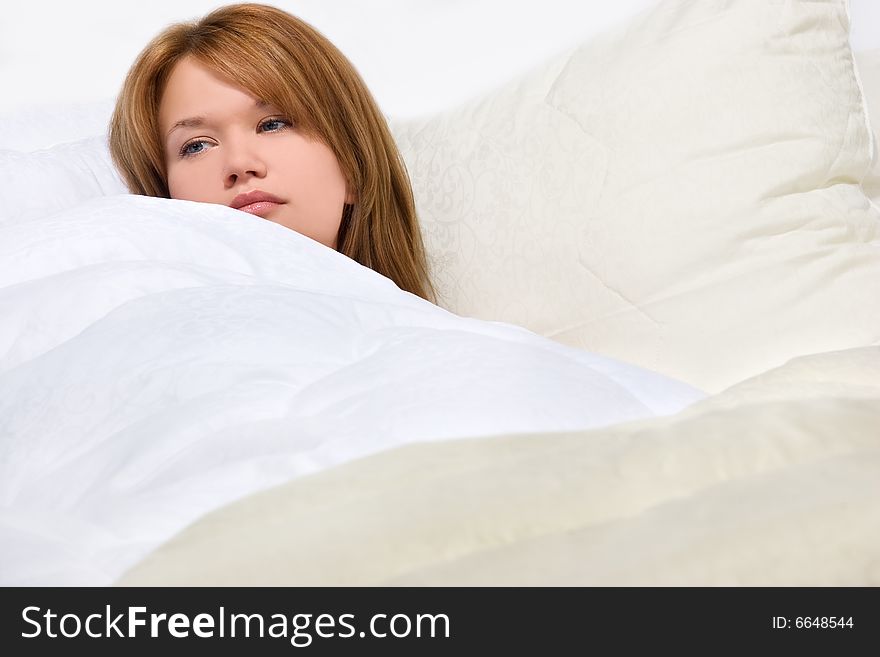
(417, 56)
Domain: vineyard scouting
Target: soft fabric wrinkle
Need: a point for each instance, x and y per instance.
(606, 484)
(631, 305)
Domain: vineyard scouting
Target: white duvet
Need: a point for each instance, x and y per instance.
(160, 359)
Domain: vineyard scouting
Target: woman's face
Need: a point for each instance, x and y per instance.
(220, 143)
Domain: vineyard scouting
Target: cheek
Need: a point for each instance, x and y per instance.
(322, 178)
(189, 183)
(318, 189)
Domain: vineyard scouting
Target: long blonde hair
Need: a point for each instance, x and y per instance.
(282, 60)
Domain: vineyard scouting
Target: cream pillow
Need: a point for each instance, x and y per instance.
(869, 71)
(682, 193)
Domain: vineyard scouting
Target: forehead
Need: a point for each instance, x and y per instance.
(195, 92)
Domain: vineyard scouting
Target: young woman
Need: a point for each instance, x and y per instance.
(252, 108)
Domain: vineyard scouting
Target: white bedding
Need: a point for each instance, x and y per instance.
(160, 358)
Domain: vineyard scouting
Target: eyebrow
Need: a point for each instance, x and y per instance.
(198, 121)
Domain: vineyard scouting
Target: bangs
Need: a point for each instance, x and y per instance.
(242, 62)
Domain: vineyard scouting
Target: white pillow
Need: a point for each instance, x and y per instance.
(42, 126)
(57, 178)
(682, 193)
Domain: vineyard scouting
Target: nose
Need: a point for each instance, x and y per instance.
(243, 160)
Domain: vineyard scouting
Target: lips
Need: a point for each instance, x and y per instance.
(256, 202)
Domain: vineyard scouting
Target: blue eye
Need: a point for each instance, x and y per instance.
(186, 152)
(269, 125)
(268, 122)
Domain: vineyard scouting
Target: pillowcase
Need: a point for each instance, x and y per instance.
(57, 178)
(682, 193)
(41, 126)
(869, 74)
